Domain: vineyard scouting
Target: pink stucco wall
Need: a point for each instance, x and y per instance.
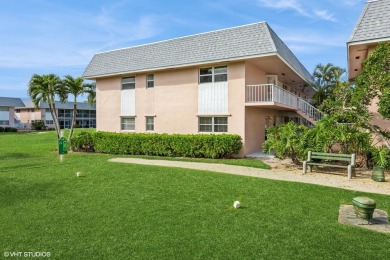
(11, 116)
(237, 100)
(173, 102)
(26, 115)
(255, 116)
(108, 104)
(378, 120)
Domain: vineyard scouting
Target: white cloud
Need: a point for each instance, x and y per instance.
(69, 38)
(284, 4)
(302, 7)
(323, 14)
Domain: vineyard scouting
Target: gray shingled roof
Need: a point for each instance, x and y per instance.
(11, 102)
(374, 22)
(59, 105)
(232, 43)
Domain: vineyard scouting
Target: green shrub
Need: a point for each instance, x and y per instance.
(380, 157)
(2, 129)
(38, 125)
(294, 141)
(82, 142)
(10, 129)
(180, 145)
(287, 140)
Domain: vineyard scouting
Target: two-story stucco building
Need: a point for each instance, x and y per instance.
(372, 27)
(8, 117)
(28, 113)
(239, 80)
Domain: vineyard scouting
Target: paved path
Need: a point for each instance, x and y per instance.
(331, 180)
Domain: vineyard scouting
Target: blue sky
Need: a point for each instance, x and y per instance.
(61, 36)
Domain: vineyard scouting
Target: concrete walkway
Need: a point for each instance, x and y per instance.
(331, 180)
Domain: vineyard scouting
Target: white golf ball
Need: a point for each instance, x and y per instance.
(78, 174)
(236, 204)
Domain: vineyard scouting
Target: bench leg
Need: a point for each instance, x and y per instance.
(311, 168)
(349, 171)
(304, 167)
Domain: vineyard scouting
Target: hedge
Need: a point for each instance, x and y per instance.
(180, 145)
(8, 129)
(82, 142)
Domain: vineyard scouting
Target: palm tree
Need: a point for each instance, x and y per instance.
(91, 91)
(322, 77)
(76, 87)
(323, 74)
(44, 88)
(327, 78)
(338, 75)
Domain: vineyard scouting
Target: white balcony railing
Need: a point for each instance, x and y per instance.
(271, 93)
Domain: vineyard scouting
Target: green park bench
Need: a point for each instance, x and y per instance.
(328, 158)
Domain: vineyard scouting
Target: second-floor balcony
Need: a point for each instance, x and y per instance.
(274, 96)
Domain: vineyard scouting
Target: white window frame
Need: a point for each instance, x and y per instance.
(213, 74)
(213, 124)
(131, 124)
(150, 79)
(151, 125)
(128, 83)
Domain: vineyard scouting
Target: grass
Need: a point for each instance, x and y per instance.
(124, 211)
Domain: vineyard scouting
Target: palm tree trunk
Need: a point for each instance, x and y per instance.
(50, 102)
(55, 118)
(73, 119)
(52, 116)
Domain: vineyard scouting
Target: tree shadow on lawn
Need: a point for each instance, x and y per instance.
(17, 156)
(21, 166)
(14, 191)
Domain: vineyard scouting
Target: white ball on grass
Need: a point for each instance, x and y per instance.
(78, 174)
(236, 204)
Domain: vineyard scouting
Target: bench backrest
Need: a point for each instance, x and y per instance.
(332, 157)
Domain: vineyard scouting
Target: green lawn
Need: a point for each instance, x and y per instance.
(124, 211)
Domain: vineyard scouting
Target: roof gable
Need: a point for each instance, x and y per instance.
(235, 43)
(374, 22)
(11, 102)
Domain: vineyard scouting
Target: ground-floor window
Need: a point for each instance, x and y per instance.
(149, 123)
(213, 124)
(65, 124)
(49, 122)
(86, 123)
(128, 123)
(4, 122)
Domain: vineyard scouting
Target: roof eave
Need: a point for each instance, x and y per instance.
(309, 81)
(94, 77)
(368, 41)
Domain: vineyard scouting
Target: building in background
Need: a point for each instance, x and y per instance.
(8, 117)
(239, 80)
(372, 28)
(85, 118)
